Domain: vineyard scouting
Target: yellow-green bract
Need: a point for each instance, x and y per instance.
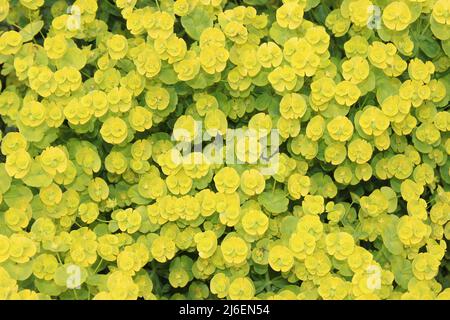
(204, 149)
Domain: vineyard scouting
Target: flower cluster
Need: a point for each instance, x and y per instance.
(114, 184)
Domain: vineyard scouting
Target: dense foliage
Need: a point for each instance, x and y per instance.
(333, 185)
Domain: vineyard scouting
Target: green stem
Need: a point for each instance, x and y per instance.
(15, 25)
(98, 265)
(154, 277)
(157, 4)
(365, 100)
(268, 285)
(426, 28)
(85, 74)
(59, 258)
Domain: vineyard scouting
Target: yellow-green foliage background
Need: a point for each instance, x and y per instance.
(97, 203)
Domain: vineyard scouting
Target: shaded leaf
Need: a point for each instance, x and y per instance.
(390, 236)
(18, 195)
(276, 202)
(5, 179)
(31, 29)
(195, 22)
(37, 177)
(402, 270)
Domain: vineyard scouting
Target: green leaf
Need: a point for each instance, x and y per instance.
(18, 195)
(343, 267)
(402, 270)
(167, 75)
(256, 2)
(445, 172)
(420, 146)
(263, 101)
(446, 46)
(31, 29)
(390, 236)
(41, 57)
(355, 197)
(74, 57)
(32, 134)
(98, 280)
(429, 46)
(5, 179)
(274, 202)
(391, 196)
(320, 13)
(37, 177)
(260, 269)
(101, 229)
(288, 226)
(280, 282)
(279, 34)
(135, 197)
(113, 226)
(203, 80)
(261, 79)
(440, 31)
(195, 22)
(48, 287)
(125, 65)
(38, 208)
(312, 4)
(78, 294)
(386, 87)
(274, 108)
(19, 271)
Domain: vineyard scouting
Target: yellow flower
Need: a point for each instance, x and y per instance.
(114, 130)
(340, 128)
(187, 68)
(283, 78)
(373, 121)
(18, 164)
(10, 42)
(117, 46)
(252, 182)
(298, 185)
(56, 46)
(234, 250)
(360, 12)
(360, 151)
(425, 266)
(281, 258)
(355, 70)
(293, 106)
(4, 9)
(269, 55)
(412, 231)
(290, 15)
(227, 180)
(206, 243)
(255, 222)
(397, 16)
(241, 289)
